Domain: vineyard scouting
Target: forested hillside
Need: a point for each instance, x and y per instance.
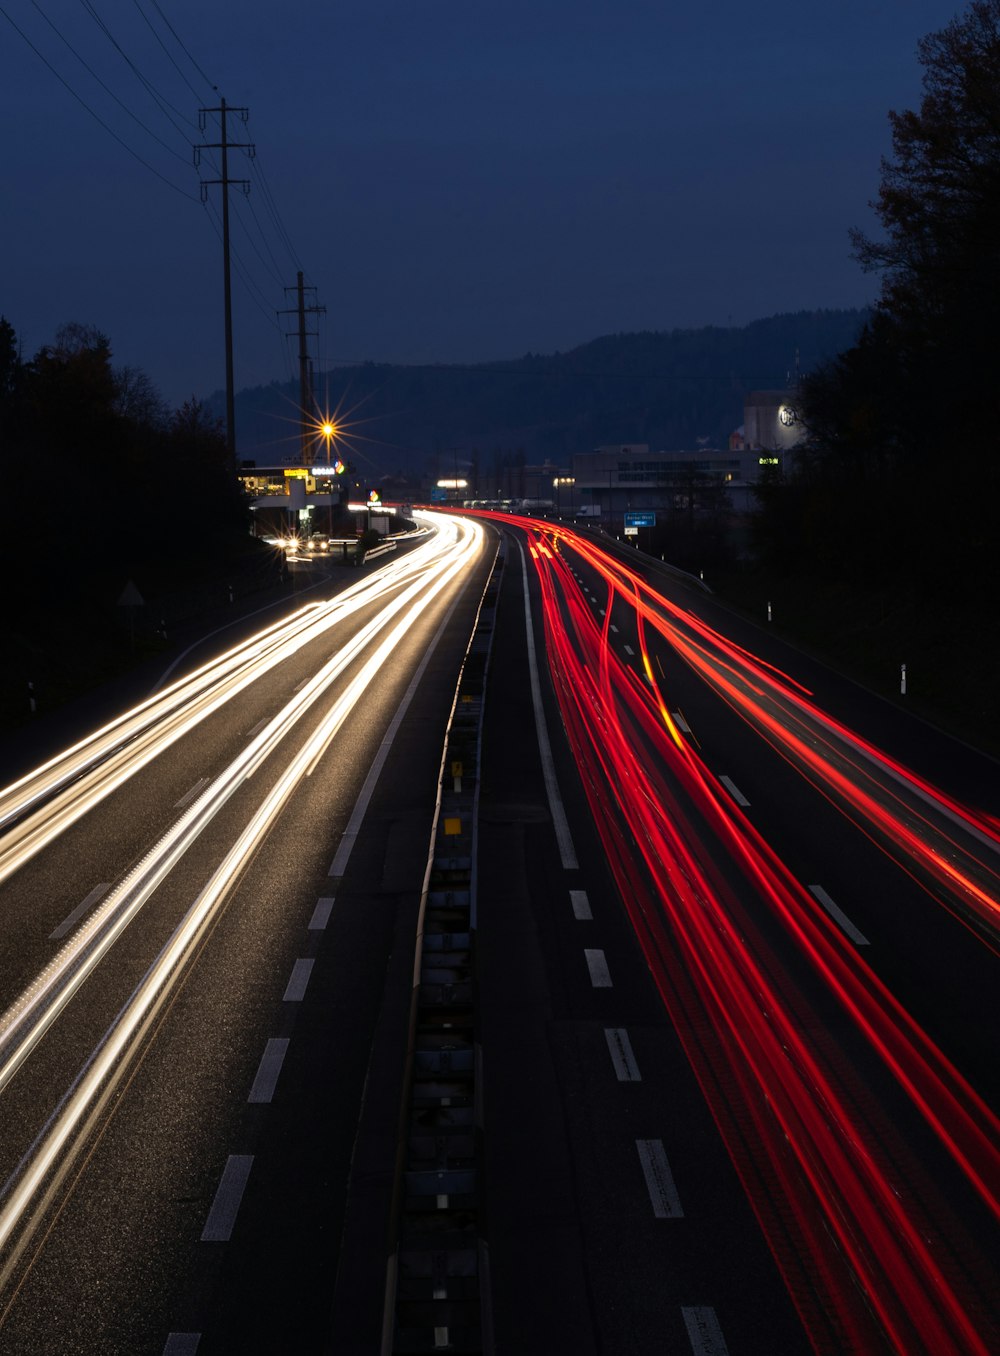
(670, 389)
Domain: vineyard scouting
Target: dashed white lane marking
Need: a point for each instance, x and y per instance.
(680, 722)
(838, 915)
(659, 1179)
(597, 964)
(268, 1070)
(228, 1196)
(629, 650)
(258, 727)
(321, 914)
(703, 1330)
(79, 911)
(734, 791)
(181, 1343)
(296, 990)
(622, 1056)
(189, 796)
(614, 628)
(581, 904)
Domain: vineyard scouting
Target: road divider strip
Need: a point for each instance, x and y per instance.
(437, 1267)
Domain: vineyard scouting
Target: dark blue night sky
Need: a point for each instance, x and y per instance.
(460, 182)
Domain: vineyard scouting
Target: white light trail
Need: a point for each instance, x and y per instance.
(76, 780)
(45, 1163)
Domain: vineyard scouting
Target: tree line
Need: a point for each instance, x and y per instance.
(101, 478)
(671, 389)
(897, 482)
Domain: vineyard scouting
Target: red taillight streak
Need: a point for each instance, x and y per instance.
(734, 979)
(823, 774)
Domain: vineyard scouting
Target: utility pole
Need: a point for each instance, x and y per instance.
(306, 402)
(224, 146)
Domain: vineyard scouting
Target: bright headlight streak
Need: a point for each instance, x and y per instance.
(68, 764)
(154, 725)
(111, 1057)
(34, 1011)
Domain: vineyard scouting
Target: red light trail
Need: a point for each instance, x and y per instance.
(872, 1254)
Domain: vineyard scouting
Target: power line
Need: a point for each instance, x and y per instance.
(224, 181)
(276, 272)
(180, 44)
(253, 291)
(107, 89)
(165, 52)
(96, 116)
(258, 170)
(162, 102)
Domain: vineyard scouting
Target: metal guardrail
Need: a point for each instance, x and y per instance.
(437, 1275)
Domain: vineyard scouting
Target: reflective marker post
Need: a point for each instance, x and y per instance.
(902, 680)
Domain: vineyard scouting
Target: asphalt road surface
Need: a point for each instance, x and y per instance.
(736, 964)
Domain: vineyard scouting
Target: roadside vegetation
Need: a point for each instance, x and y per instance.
(109, 496)
(880, 545)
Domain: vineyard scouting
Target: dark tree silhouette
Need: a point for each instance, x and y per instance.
(901, 474)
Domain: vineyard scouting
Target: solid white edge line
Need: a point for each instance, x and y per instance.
(564, 839)
(703, 1330)
(269, 1070)
(296, 990)
(79, 911)
(839, 917)
(228, 1198)
(600, 975)
(622, 1055)
(659, 1179)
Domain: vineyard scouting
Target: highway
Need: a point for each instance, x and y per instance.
(736, 962)
(811, 881)
(159, 892)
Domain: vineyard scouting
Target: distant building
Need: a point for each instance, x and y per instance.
(627, 478)
(291, 498)
(771, 421)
